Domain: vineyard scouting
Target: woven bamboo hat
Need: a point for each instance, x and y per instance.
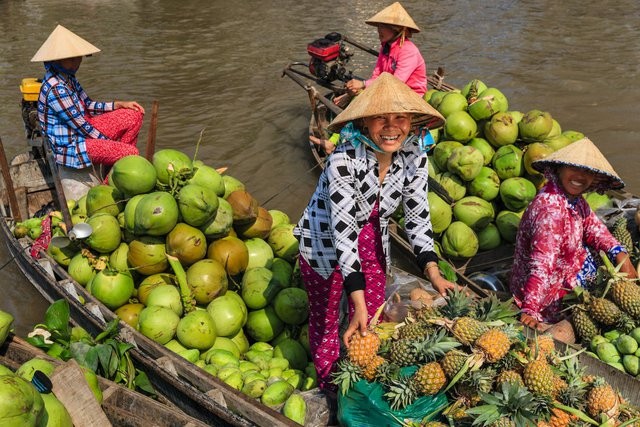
(62, 44)
(387, 94)
(394, 15)
(582, 154)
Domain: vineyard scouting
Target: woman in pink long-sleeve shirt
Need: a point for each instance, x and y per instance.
(398, 55)
(559, 236)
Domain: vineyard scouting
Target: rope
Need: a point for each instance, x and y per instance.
(286, 187)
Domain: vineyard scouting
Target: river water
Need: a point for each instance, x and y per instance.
(216, 66)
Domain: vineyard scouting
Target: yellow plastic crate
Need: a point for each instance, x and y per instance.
(30, 88)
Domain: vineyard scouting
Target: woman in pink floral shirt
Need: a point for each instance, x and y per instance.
(559, 236)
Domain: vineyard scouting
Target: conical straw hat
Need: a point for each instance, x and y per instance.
(387, 94)
(62, 44)
(394, 15)
(582, 154)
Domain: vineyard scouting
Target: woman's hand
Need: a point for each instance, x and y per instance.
(627, 266)
(530, 321)
(354, 86)
(325, 144)
(440, 284)
(131, 105)
(359, 321)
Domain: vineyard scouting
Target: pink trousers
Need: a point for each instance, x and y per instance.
(325, 295)
(122, 127)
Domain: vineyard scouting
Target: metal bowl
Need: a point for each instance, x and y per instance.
(488, 281)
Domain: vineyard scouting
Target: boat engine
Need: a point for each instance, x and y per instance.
(329, 57)
(30, 89)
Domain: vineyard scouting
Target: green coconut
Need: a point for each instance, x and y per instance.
(535, 151)
(231, 184)
(147, 254)
(474, 212)
(156, 214)
(20, 403)
(6, 324)
(451, 103)
(598, 201)
(442, 152)
(507, 222)
(207, 176)
(489, 102)
(488, 237)
(573, 135)
(105, 235)
(133, 175)
(222, 222)
(466, 162)
(472, 89)
(171, 163)
(441, 213)
(501, 129)
(508, 162)
(485, 185)
(459, 241)
(453, 184)
(197, 204)
(484, 147)
(104, 199)
(516, 193)
(460, 126)
(535, 126)
(283, 243)
(557, 142)
(556, 129)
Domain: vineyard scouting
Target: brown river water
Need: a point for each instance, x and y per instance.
(216, 65)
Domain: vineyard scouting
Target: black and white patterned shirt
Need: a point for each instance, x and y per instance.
(345, 197)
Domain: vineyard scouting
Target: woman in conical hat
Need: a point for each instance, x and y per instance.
(398, 55)
(80, 130)
(343, 233)
(560, 237)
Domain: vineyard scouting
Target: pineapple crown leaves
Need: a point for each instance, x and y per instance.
(491, 308)
(436, 345)
(510, 401)
(458, 303)
(401, 392)
(346, 375)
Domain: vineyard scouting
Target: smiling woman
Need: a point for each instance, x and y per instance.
(559, 233)
(344, 240)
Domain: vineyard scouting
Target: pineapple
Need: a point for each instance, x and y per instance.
(559, 418)
(508, 376)
(624, 293)
(362, 348)
(407, 352)
(434, 424)
(416, 330)
(604, 311)
(602, 399)
(471, 387)
(545, 345)
(346, 374)
(429, 379)
(452, 362)
(559, 385)
(538, 377)
(584, 325)
(426, 312)
(370, 371)
(622, 234)
(467, 329)
(512, 405)
(494, 344)
(401, 392)
(626, 323)
(458, 304)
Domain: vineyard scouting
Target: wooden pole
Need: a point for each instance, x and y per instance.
(8, 185)
(151, 140)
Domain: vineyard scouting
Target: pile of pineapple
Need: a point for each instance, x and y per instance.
(606, 317)
(473, 351)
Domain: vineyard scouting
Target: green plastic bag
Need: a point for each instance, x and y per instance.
(365, 405)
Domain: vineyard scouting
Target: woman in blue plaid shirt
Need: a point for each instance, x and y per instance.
(81, 131)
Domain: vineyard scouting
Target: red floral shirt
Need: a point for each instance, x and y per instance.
(551, 249)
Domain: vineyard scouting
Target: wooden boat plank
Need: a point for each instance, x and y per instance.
(122, 406)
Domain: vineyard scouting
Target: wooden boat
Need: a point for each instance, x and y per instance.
(27, 186)
(487, 270)
(123, 407)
